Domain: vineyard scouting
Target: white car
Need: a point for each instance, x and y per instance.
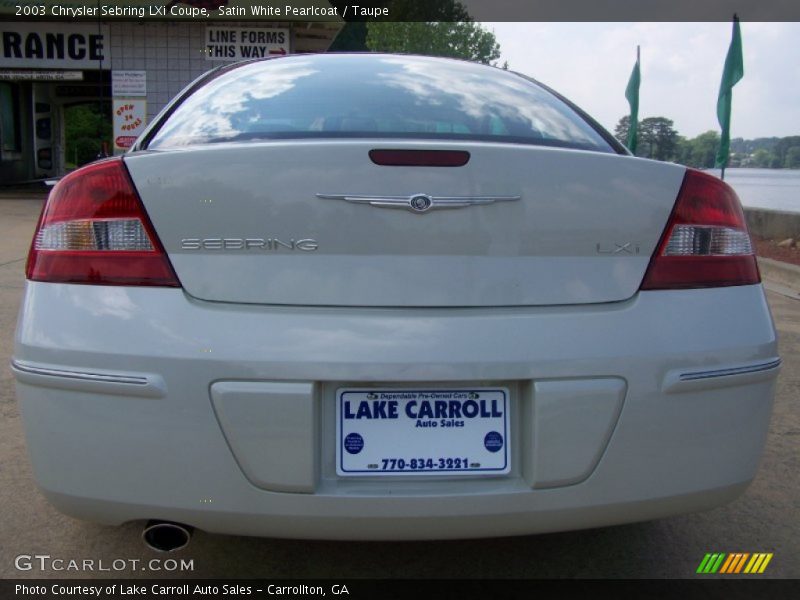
(389, 297)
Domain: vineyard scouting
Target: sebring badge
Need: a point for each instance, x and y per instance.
(267, 244)
(418, 203)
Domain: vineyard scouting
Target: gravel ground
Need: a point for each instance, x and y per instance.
(770, 249)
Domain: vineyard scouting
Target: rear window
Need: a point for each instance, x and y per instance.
(381, 96)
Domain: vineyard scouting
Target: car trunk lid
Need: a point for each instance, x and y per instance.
(271, 223)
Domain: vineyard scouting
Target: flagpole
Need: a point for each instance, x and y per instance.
(722, 170)
(732, 72)
(632, 96)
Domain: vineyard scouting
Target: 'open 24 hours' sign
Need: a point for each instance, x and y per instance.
(130, 118)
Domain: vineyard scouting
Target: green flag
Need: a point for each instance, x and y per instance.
(733, 72)
(632, 94)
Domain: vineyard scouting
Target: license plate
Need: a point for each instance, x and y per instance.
(422, 432)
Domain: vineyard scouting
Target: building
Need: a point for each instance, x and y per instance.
(129, 69)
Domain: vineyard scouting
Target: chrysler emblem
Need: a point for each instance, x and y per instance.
(418, 203)
(421, 202)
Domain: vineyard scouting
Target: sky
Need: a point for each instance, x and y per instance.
(590, 64)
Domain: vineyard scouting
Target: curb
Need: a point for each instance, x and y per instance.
(772, 224)
(780, 272)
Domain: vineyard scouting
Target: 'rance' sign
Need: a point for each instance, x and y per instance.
(49, 45)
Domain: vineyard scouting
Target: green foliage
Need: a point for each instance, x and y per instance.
(429, 10)
(748, 147)
(762, 158)
(351, 38)
(432, 28)
(659, 140)
(462, 39)
(86, 127)
(792, 160)
(767, 153)
(782, 149)
(701, 151)
(622, 128)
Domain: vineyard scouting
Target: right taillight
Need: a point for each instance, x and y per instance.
(705, 243)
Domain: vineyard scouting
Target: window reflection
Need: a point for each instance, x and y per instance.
(324, 96)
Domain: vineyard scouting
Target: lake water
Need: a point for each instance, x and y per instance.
(778, 189)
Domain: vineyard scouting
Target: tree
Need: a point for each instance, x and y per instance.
(660, 136)
(87, 126)
(659, 140)
(428, 11)
(792, 158)
(762, 158)
(461, 39)
(351, 38)
(703, 150)
(782, 149)
(622, 128)
(683, 150)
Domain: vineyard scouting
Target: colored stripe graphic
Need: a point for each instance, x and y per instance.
(737, 561)
(717, 564)
(749, 567)
(703, 563)
(765, 563)
(711, 563)
(759, 563)
(728, 564)
(741, 563)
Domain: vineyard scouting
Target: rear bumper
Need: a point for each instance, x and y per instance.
(116, 384)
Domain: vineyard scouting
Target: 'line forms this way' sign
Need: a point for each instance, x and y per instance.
(239, 43)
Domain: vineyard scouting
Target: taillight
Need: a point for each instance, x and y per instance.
(94, 229)
(705, 243)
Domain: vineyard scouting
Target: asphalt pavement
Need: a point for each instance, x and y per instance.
(765, 519)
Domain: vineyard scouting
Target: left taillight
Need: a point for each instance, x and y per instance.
(94, 230)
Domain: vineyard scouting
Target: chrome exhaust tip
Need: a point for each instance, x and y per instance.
(164, 536)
